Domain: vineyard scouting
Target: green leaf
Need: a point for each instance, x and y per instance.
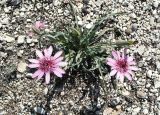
(124, 43)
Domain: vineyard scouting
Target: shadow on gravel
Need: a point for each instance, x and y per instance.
(92, 89)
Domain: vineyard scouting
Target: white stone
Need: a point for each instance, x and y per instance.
(23, 9)
(154, 90)
(145, 111)
(136, 110)
(158, 65)
(46, 91)
(22, 14)
(35, 40)
(56, 3)
(141, 49)
(60, 11)
(21, 67)
(149, 73)
(2, 2)
(71, 102)
(131, 6)
(29, 40)
(22, 106)
(158, 98)
(133, 15)
(148, 85)
(5, 21)
(6, 10)
(29, 20)
(1, 25)
(3, 54)
(107, 111)
(19, 75)
(157, 84)
(79, 18)
(32, 44)
(62, 93)
(21, 39)
(20, 53)
(155, 4)
(80, 23)
(152, 21)
(88, 26)
(154, 12)
(126, 93)
(7, 38)
(3, 113)
(39, 5)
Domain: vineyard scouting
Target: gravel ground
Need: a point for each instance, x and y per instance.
(21, 95)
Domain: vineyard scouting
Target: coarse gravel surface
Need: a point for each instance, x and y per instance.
(22, 95)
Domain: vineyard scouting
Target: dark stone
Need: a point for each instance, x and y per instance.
(85, 1)
(113, 102)
(85, 10)
(13, 2)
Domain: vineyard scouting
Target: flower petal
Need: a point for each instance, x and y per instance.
(37, 73)
(58, 59)
(47, 78)
(48, 52)
(113, 72)
(59, 70)
(118, 54)
(61, 64)
(132, 63)
(33, 61)
(129, 59)
(128, 76)
(131, 72)
(39, 25)
(57, 55)
(40, 75)
(114, 53)
(45, 52)
(57, 73)
(33, 65)
(111, 61)
(118, 75)
(121, 77)
(39, 54)
(133, 68)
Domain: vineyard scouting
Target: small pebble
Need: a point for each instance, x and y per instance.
(40, 110)
(89, 26)
(22, 67)
(21, 39)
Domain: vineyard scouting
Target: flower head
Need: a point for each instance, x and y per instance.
(39, 25)
(47, 64)
(122, 65)
(30, 33)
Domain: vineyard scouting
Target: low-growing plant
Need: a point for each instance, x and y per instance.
(85, 49)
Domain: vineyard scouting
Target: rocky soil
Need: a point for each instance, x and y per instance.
(21, 95)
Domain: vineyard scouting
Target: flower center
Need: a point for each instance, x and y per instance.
(46, 64)
(122, 65)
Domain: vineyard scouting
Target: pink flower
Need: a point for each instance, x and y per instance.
(122, 65)
(47, 64)
(40, 25)
(30, 33)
